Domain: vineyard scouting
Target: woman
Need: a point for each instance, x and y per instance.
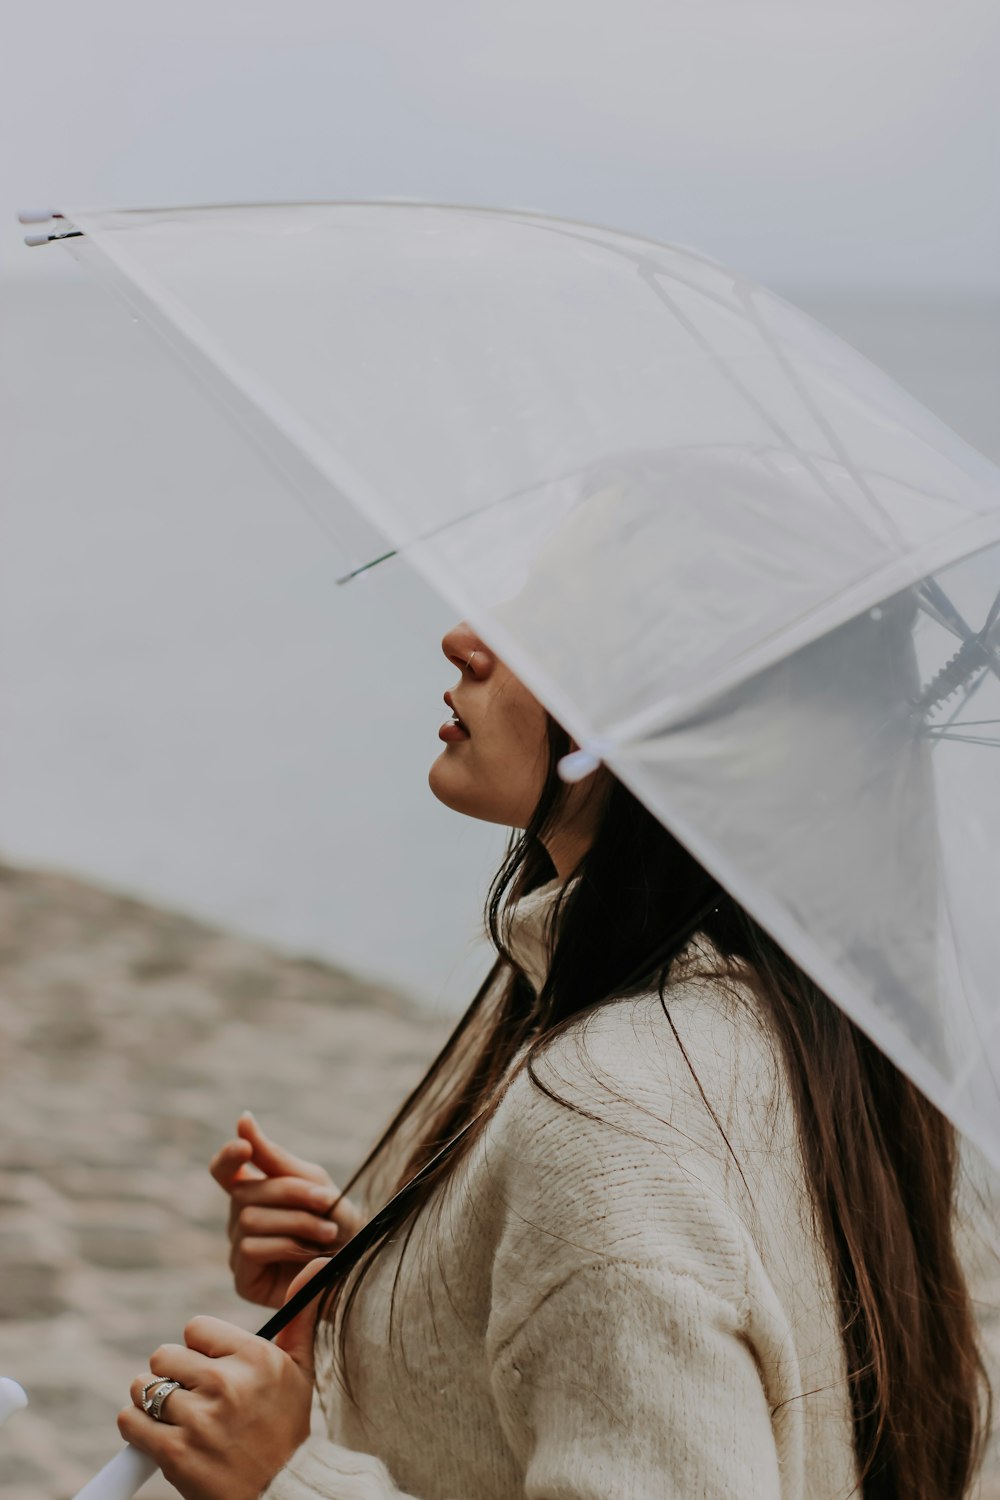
(699, 1242)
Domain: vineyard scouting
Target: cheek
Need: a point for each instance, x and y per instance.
(513, 753)
(527, 755)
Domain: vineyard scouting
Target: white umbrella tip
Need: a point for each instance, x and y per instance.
(583, 762)
(38, 215)
(12, 1398)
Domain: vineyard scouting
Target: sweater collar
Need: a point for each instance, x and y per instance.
(531, 941)
(529, 938)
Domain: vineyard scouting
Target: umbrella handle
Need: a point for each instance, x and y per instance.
(119, 1479)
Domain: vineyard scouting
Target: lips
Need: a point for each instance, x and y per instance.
(455, 729)
(455, 717)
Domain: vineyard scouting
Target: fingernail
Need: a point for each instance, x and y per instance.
(321, 1197)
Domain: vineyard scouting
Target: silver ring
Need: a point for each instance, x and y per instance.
(163, 1390)
(145, 1399)
(470, 660)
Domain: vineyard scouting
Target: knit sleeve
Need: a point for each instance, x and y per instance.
(632, 1380)
(627, 1380)
(321, 1470)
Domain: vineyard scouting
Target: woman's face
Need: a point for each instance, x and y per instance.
(495, 759)
(496, 756)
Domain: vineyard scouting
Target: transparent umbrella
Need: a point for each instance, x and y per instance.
(739, 564)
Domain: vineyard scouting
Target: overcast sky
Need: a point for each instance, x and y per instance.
(816, 145)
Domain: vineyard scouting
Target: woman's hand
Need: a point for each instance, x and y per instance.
(243, 1410)
(281, 1213)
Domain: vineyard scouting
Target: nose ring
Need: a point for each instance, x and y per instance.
(471, 659)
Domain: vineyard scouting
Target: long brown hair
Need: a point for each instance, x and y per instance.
(880, 1159)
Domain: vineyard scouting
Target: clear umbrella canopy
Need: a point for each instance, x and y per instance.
(733, 559)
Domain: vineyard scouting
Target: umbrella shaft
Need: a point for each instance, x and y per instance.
(119, 1479)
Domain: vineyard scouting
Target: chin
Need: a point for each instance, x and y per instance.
(446, 784)
(452, 785)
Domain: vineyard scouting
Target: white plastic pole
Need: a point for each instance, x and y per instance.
(119, 1479)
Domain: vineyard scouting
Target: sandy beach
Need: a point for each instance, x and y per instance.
(130, 1038)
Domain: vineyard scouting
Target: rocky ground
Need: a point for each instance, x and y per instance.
(130, 1039)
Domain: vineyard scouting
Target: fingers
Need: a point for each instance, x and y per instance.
(286, 1193)
(273, 1160)
(173, 1408)
(158, 1439)
(280, 1223)
(266, 1225)
(214, 1337)
(233, 1164)
(177, 1362)
(273, 1251)
(296, 1338)
(252, 1157)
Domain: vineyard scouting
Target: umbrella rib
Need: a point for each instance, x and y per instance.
(366, 567)
(961, 626)
(821, 422)
(753, 316)
(824, 425)
(971, 723)
(729, 374)
(937, 732)
(810, 462)
(964, 739)
(741, 288)
(476, 511)
(935, 614)
(648, 275)
(739, 284)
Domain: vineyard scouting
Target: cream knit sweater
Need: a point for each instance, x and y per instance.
(603, 1309)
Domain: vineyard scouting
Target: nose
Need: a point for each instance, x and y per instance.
(461, 644)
